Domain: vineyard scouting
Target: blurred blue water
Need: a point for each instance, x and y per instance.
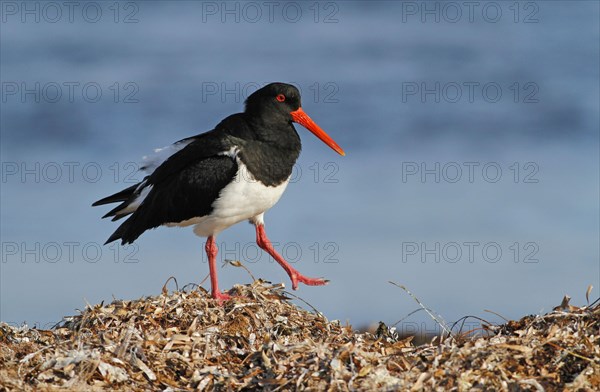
(355, 220)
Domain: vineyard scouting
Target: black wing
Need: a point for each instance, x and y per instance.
(181, 188)
(184, 195)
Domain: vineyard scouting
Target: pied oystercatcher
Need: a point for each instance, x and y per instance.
(214, 180)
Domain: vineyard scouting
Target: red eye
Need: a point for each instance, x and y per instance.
(280, 97)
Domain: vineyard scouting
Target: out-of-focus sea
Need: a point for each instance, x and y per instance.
(472, 140)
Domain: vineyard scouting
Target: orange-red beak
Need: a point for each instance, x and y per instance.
(302, 118)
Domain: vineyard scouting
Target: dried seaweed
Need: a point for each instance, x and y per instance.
(185, 341)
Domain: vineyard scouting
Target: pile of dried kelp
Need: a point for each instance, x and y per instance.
(186, 341)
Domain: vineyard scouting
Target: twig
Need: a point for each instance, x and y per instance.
(300, 299)
(439, 321)
(464, 319)
(407, 316)
(164, 290)
(497, 314)
(569, 352)
(237, 263)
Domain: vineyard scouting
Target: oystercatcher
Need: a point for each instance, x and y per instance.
(214, 180)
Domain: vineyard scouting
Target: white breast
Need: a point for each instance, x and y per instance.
(244, 198)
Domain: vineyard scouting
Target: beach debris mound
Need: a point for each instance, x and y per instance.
(262, 341)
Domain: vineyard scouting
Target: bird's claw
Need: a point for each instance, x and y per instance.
(299, 278)
(221, 297)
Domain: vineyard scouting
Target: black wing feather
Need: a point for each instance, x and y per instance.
(186, 195)
(184, 186)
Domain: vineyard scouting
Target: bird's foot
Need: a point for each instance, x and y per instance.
(221, 297)
(299, 278)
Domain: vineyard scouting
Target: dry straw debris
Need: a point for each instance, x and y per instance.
(185, 341)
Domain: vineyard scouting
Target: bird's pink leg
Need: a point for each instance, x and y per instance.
(295, 276)
(211, 252)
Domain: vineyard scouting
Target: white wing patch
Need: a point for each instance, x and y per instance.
(152, 161)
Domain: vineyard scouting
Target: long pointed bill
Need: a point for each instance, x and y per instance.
(302, 118)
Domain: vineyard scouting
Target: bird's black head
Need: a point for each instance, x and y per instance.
(279, 103)
(275, 100)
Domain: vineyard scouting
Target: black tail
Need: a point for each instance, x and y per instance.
(136, 224)
(125, 232)
(119, 233)
(117, 197)
(115, 211)
(126, 197)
